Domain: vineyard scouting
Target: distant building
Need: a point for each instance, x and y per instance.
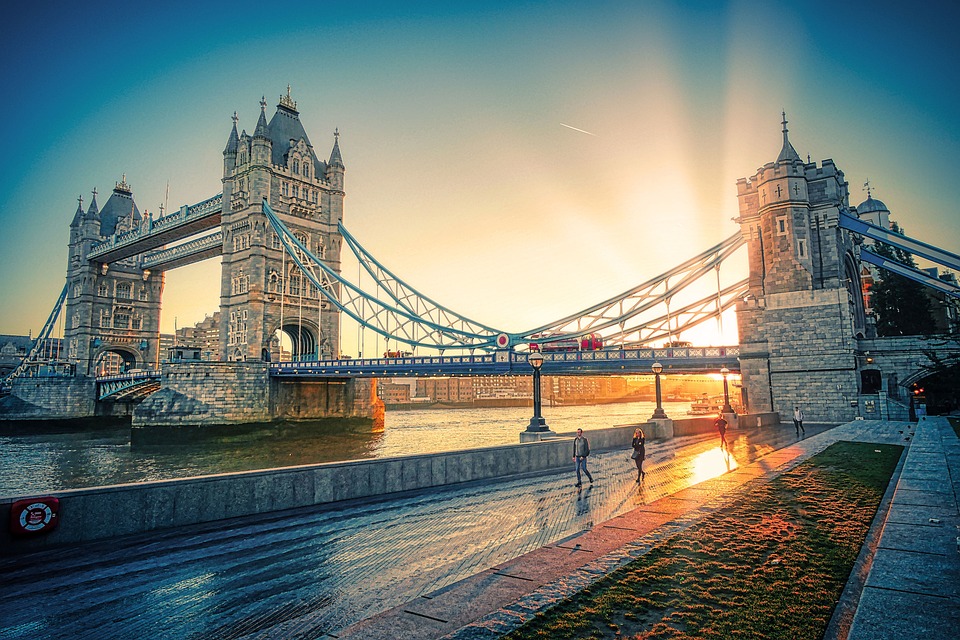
(945, 309)
(394, 393)
(205, 336)
(13, 349)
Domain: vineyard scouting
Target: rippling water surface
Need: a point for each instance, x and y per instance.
(53, 459)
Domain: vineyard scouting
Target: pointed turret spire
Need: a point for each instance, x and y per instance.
(787, 153)
(335, 159)
(261, 130)
(233, 142)
(93, 211)
(78, 216)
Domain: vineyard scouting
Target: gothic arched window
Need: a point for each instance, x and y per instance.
(123, 290)
(121, 319)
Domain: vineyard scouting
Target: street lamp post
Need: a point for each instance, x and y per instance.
(537, 423)
(726, 393)
(658, 413)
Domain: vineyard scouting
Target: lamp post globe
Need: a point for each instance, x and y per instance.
(536, 360)
(658, 413)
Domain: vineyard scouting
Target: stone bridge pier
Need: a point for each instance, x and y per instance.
(219, 393)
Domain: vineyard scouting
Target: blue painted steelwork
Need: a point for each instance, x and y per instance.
(908, 272)
(908, 244)
(625, 318)
(187, 221)
(125, 385)
(407, 327)
(31, 358)
(603, 362)
(633, 318)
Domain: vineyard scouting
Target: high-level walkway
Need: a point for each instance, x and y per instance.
(473, 560)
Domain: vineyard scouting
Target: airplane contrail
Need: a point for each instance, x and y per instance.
(575, 129)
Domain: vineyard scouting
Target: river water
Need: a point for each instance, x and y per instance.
(53, 459)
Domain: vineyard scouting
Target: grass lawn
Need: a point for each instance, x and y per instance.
(770, 565)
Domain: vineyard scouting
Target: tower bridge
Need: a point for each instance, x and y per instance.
(278, 227)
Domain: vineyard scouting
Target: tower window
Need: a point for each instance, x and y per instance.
(801, 248)
(781, 225)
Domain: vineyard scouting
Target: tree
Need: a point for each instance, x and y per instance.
(901, 305)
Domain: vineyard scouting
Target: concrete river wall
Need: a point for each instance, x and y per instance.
(105, 512)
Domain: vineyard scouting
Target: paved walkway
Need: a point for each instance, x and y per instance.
(419, 565)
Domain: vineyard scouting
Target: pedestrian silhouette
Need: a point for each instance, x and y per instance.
(639, 452)
(721, 426)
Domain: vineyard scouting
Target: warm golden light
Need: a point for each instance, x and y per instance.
(712, 463)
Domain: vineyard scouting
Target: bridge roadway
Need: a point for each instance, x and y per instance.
(451, 561)
(600, 362)
(565, 363)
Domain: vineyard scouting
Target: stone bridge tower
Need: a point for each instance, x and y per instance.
(111, 308)
(262, 290)
(800, 323)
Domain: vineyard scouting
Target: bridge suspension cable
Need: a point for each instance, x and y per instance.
(635, 304)
(408, 298)
(910, 245)
(401, 322)
(39, 343)
(407, 316)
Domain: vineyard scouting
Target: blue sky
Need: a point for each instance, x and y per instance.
(460, 176)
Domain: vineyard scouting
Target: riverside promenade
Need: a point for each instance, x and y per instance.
(474, 560)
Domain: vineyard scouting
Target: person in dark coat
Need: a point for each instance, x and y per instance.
(721, 424)
(639, 453)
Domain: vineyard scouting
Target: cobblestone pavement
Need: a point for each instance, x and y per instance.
(313, 572)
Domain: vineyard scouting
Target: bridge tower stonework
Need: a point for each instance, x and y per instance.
(262, 290)
(802, 318)
(110, 307)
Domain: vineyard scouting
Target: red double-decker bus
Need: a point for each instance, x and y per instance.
(588, 342)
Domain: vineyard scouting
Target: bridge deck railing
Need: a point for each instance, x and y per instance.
(607, 361)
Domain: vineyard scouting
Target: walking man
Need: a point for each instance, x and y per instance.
(798, 420)
(581, 449)
(721, 426)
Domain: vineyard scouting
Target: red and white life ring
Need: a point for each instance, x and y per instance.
(33, 516)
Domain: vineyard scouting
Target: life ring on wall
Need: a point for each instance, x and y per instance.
(34, 516)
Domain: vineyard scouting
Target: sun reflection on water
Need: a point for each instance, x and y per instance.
(712, 463)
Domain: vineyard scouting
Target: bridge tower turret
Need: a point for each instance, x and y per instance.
(110, 307)
(262, 291)
(800, 322)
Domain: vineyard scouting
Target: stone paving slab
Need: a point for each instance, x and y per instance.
(890, 615)
(913, 586)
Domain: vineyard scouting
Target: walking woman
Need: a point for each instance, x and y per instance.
(639, 453)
